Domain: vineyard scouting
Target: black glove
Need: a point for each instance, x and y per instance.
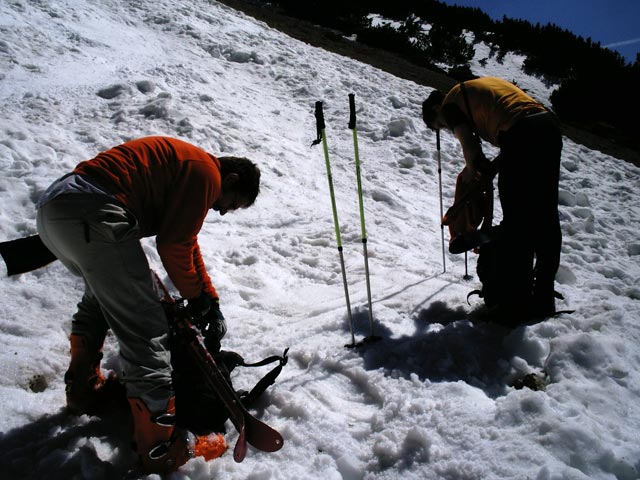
(199, 306)
(210, 321)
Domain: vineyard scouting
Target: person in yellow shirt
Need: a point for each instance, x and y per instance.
(496, 111)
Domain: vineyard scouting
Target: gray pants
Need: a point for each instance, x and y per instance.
(98, 239)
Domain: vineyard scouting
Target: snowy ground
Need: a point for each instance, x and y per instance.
(433, 399)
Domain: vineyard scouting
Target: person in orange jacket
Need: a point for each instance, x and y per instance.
(530, 142)
(92, 219)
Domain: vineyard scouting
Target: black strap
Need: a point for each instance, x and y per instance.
(469, 114)
(233, 359)
(474, 292)
(267, 380)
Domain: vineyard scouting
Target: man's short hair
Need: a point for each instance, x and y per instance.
(435, 99)
(248, 184)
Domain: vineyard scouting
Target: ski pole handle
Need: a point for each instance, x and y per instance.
(319, 116)
(319, 124)
(352, 111)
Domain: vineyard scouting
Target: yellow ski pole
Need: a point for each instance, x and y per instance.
(352, 125)
(320, 126)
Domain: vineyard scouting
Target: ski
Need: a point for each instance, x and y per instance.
(25, 254)
(251, 430)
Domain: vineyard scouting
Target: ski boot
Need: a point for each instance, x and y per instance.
(87, 390)
(161, 446)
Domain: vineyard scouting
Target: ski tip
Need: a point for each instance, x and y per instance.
(269, 441)
(278, 443)
(240, 450)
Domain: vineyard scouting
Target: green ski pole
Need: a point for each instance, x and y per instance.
(352, 126)
(321, 137)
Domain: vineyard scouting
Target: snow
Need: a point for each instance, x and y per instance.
(433, 399)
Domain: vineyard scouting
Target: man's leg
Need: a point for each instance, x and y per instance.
(89, 321)
(515, 258)
(549, 235)
(98, 240)
(86, 388)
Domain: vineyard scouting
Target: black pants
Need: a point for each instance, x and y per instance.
(529, 171)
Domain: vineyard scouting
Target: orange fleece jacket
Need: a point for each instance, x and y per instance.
(169, 185)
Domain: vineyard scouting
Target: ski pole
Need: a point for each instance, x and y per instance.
(466, 268)
(352, 125)
(444, 265)
(321, 137)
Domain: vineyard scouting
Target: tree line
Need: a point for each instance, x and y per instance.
(598, 90)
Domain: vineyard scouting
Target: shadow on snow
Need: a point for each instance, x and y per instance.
(449, 344)
(57, 446)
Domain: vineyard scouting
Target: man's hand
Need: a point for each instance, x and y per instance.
(482, 164)
(213, 323)
(209, 319)
(199, 306)
(467, 175)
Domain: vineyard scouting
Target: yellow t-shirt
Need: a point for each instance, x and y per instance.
(496, 105)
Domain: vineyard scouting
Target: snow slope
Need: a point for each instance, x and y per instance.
(433, 399)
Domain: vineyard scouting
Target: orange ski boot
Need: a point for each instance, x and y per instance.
(86, 388)
(163, 448)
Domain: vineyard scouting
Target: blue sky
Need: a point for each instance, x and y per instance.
(614, 23)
